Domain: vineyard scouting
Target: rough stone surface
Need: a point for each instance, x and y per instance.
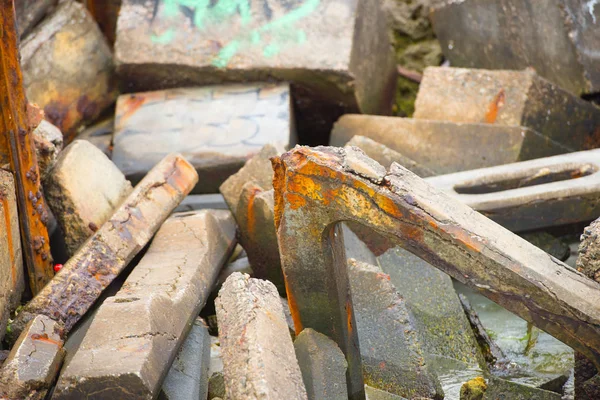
(258, 354)
(446, 147)
(508, 98)
(83, 189)
(30, 12)
(34, 361)
(217, 128)
(12, 279)
(152, 312)
(398, 366)
(188, 377)
(335, 53)
(503, 389)
(68, 69)
(48, 141)
(70, 294)
(372, 393)
(323, 366)
(588, 261)
(556, 37)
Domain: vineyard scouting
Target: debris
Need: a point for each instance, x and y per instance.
(473, 389)
(68, 69)
(503, 389)
(252, 324)
(48, 142)
(558, 39)
(372, 393)
(100, 135)
(588, 261)
(217, 128)
(152, 312)
(510, 98)
(446, 147)
(34, 361)
(30, 12)
(195, 202)
(531, 194)
(323, 366)
(105, 13)
(83, 278)
(322, 47)
(83, 190)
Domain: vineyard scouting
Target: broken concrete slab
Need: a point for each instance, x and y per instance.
(34, 361)
(556, 38)
(397, 366)
(83, 189)
(502, 389)
(510, 98)
(588, 261)
(532, 194)
(70, 294)
(165, 292)
(48, 140)
(372, 393)
(188, 376)
(446, 147)
(68, 69)
(217, 128)
(252, 324)
(323, 366)
(386, 156)
(12, 279)
(319, 46)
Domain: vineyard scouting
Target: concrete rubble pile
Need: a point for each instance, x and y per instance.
(227, 200)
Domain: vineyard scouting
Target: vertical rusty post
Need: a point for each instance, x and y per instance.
(105, 13)
(16, 121)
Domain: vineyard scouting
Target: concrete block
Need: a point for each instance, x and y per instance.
(510, 98)
(135, 335)
(30, 12)
(258, 354)
(217, 128)
(68, 68)
(323, 366)
(503, 389)
(83, 189)
(321, 46)
(48, 141)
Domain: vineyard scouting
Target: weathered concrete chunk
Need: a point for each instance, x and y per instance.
(323, 366)
(67, 68)
(12, 280)
(557, 37)
(30, 12)
(258, 354)
(83, 189)
(446, 147)
(397, 366)
(34, 361)
(48, 140)
(532, 194)
(321, 46)
(588, 261)
(249, 194)
(372, 393)
(511, 98)
(503, 389)
(68, 296)
(217, 128)
(165, 292)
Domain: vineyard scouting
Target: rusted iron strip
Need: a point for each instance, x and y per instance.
(317, 188)
(16, 124)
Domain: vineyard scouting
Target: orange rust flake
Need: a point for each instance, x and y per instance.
(495, 106)
(465, 238)
(330, 195)
(295, 201)
(349, 314)
(293, 307)
(251, 218)
(44, 338)
(279, 186)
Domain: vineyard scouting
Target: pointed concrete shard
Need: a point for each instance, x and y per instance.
(397, 366)
(314, 192)
(510, 98)
(321, 46)
(559, 38)
(258, 354)
(48, 140)
(216, 128)
(70, 294)
(152, 312)
(441, 147)
(323, 366)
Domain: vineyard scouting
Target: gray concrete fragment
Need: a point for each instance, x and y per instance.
(34, 361)
(217, 128)
(195, 202)
(323, 366)
(503, 389)
(83, 189)
(188, 377)
(398, 366)
(376, 394)
(358, 162)
(48, 140)
(30, 12)
(258, 354)
(588, 261)
(135, 335)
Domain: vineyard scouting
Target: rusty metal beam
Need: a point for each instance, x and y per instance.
(317, 188)
(16, 122)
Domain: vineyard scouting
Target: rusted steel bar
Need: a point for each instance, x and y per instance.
(317, 188)
(105, 12)
(16, 123)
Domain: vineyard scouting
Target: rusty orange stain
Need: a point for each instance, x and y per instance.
(13, 267)
(349, 315)
(295, 201)
(131, 104)
(44, 338)
(382, 275)
(495, 106)
(279, 187)
(250, 217)
(293, 307)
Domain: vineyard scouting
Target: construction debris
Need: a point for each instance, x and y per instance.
(48, 141)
